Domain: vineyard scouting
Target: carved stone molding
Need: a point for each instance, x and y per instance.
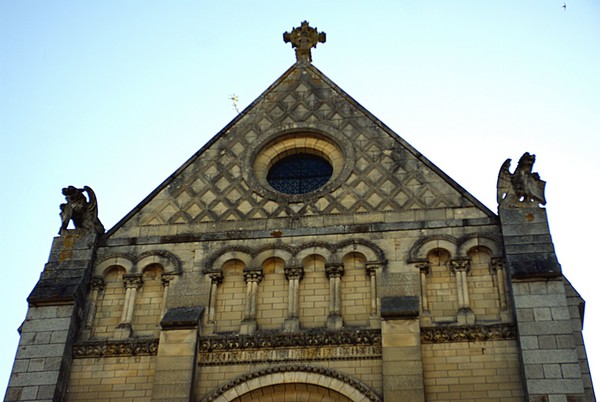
(310, 346)
(468, 334)
(145, 347)
(305, 339)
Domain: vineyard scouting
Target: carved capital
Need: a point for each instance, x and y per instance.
(97, 283)
(132, 281)
(497, 264)
(334, 270)
(166, 279)
(253, 276)
(460, 265)
(216, 278)
(294, 273)
(372, 267)
(424, 267)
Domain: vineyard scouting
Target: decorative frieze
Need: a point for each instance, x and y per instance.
(305, 339)
(254, 356)
(139, 347)
(338, 345)
(468, 334)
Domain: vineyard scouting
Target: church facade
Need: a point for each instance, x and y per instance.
(306, 253)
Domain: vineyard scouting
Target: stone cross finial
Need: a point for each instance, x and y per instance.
(304, 38)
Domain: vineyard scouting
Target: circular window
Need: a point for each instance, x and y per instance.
(297, 166)
(299, 173)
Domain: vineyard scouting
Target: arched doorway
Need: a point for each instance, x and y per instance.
(294, 383)
(293, 392)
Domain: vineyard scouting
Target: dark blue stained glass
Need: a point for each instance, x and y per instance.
(299, 173)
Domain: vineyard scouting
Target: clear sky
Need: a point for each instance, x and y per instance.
(118, 94)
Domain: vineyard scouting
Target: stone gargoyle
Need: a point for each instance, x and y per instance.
(523, 188)
(83, 212)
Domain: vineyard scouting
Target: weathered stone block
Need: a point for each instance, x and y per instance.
(399, 306)
(556, 386)
(549, 356)
(182, 317)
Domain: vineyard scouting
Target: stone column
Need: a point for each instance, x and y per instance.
(216, 278)
(42, 365)
(425, 269)
(96, 287)
(465, 315)
(132, 284)
(401, 349)
(174, 378)
(166, 282)
(335, 272)
(294, 275)
(497, 268)
(371, 270)
(252, 278)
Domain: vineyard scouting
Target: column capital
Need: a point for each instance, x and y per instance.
(498, 264)
(294, 273)
(372, 266)
(166, 279)
(97, 283)
(216, 277)
(460, 265)
(253, 276)
(132, 281)
(334, 270)
(424, 267)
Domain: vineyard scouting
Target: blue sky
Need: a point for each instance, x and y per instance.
(117, 95)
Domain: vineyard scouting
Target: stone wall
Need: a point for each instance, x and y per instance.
(472, 371)
(112, 378)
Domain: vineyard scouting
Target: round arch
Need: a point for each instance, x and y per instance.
(121, 260)
(312, 379)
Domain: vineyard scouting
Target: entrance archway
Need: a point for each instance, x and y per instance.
(292, 393)
(293, 383)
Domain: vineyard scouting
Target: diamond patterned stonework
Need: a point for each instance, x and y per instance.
(385, 176)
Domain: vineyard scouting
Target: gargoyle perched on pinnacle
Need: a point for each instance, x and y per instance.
(523, 188)
(82, 212)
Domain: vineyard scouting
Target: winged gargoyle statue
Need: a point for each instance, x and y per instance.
(521, 188)
(82, 212)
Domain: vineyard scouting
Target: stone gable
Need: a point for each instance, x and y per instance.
(381, 173)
